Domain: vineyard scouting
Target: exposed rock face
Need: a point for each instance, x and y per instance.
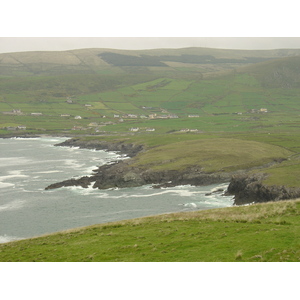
(246, 188)
(124, 148)
(249, 189)
(122, 174)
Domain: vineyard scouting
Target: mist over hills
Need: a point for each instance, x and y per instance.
(113, 61)
(213, 84)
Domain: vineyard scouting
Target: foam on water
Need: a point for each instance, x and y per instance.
(17, 204)
(6, 239)
(5, 162)
(5, 184)
(48, 172)
(27, 166)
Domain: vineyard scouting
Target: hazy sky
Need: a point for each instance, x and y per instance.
(18, 44)
(34, 25)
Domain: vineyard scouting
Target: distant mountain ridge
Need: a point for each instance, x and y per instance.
(114, 61)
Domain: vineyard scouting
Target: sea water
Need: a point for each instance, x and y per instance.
(28, 165)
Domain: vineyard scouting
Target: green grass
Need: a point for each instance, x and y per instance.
(211, 155)
(217, 101)
(261, 232)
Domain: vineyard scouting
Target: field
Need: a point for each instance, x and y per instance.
(233, 104)
(257, 233)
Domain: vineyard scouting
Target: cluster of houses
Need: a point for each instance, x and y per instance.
(136, 129)
(14, 128)
(13, 112)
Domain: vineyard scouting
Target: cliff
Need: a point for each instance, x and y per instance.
(250, 188)
(122, 174)
(245, 188)
(123, 148)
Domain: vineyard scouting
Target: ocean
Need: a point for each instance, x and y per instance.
(28, 165)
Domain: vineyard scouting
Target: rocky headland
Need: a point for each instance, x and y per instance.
(119, 174)
(251, 189)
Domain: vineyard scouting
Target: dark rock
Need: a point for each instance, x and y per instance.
(83, 182)
(122, 147)
(250, 189)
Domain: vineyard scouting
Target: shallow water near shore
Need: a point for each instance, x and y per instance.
(27, 166)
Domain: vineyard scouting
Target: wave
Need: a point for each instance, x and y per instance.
(13, 174)
(5, 185)
(47, 172)
(6, 238)
(17, 204)
(12, 161)
(25, 139)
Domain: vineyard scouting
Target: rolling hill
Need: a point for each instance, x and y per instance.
(111, 61)
(163, 90)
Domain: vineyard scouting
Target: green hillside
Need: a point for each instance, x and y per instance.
(257, 233)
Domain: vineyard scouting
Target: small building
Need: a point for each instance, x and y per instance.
(134, 129)
(78, 118)
(152, 116)
(36, 114)
(132, 116)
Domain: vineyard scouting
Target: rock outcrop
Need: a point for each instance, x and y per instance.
(250, 188)
(122, 174)
(245, 188)
(122, 147)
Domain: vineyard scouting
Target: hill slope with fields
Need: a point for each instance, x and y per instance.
(111, 61)
(239, 94)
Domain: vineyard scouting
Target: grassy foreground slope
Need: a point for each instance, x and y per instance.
(260, 232)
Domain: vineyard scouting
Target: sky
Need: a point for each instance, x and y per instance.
(19, 44)
(65, 25)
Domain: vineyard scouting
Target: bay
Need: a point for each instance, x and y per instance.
(28, 165)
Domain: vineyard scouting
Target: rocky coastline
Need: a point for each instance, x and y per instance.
(120, 174)
(250, 189)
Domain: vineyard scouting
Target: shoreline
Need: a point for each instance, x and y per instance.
(245, 188)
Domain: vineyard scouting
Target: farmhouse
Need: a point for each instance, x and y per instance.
(263, 110)
(10, 128)
(134, 129)
(78, 118)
